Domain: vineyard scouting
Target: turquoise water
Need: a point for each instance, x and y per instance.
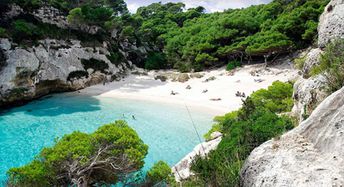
(167, 129)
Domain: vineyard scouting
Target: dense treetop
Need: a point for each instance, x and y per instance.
(192, 39)
(106, 156)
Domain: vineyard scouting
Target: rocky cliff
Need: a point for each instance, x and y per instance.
(310, 91)
(311, 154)
(29, 71)
(52, 66)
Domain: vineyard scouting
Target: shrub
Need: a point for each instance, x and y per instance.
(95, 64)
(277, 98)
(299, 62)
(160, 173)
(155, 60)
(232, 65)
(115, 58)
(332, 65)
(77, 75)
(25, 30)
(3, 32)
(81, 159)
(243, 130)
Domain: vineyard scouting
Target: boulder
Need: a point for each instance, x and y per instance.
(183, 77)
(331, 24)
(312, 59)
(182, 170)
(310, 155)
(308, 93)
(51, 66)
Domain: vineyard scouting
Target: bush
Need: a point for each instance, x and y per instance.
(95, 64)
(332, 65)
(3, 32)
(277, 98)
(160, 173)
(232, 65)
(77, 75)
(25, 30)
(155, 60)
(81, 159)
(299, 62)
(115, 58)
(243, 130)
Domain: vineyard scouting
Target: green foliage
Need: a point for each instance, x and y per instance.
(267, 43)
(77, 75)
(243, 130)
(115, 57)
(3, 32)
(90, 15)
(254, 32)
(155, 61)
(332, 64)
(277, 98)
(25, 30)
(95, 64)
(232, 65)
(160, 173)
(110, 144)
(299, 62)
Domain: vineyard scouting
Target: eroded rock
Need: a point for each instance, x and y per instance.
(52, 65)
(310, 155)
(331, 23)
(182, 170)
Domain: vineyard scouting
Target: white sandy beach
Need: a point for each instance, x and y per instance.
(224, 87)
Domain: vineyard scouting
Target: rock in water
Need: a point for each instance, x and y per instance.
(310, 155)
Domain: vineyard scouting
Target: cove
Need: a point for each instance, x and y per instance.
(167, 129)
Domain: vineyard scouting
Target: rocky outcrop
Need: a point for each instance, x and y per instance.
(313, 153)
(331, 23)
(310, 91)
(312, 59)
(182, 169)
(52, 66)
(310, 155)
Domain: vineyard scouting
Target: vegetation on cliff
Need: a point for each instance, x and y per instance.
(184, 39)
(332, 65)
(256, 122)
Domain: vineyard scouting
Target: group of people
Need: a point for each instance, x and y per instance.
(240, 94)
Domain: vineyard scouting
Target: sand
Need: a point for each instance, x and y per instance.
(224, 87)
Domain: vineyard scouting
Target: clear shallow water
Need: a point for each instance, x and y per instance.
(167, 129)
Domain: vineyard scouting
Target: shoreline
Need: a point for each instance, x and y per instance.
(222, 88)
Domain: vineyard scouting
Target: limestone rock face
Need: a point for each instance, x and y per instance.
(310, 155)
(52, 16)
(52, 65)
(182, 170)
(312, 59)
(308, 93)
(331, 23)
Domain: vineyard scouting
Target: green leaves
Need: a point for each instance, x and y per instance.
(160, 172)
(243, 130)
(104, 156)
(332, 65)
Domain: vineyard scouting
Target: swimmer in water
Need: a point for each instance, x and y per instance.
(133, 117)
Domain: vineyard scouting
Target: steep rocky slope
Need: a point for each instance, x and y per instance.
(56, 65)
(310, 91)
(311, 154)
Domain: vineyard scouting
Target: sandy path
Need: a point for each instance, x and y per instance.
(225, 86)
